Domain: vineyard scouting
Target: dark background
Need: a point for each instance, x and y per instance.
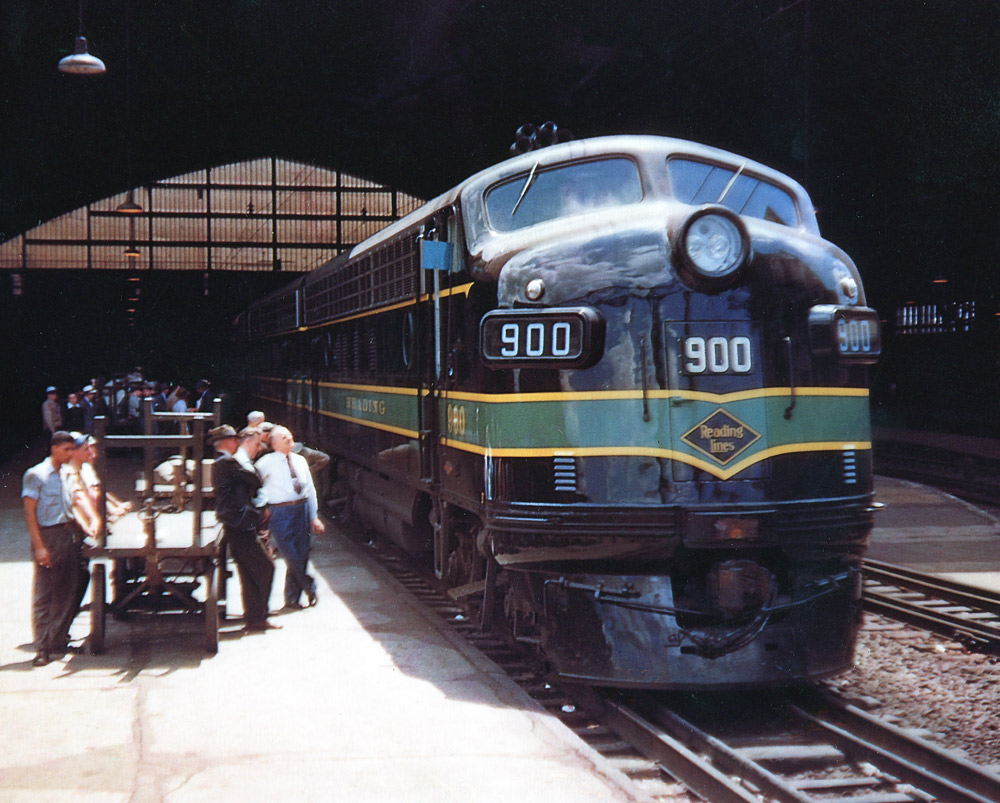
(889, 113)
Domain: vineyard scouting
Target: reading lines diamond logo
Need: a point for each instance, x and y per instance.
(721, 436)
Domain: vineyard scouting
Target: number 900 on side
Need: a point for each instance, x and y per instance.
(559, 337)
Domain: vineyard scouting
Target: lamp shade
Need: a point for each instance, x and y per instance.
(81, 62)
(129, 207)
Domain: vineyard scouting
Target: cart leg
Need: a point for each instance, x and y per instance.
(213, 575)
(223, 563)
(98, 592)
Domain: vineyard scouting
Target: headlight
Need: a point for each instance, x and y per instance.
(713, 245)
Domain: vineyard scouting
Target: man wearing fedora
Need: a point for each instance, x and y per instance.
(238, 506)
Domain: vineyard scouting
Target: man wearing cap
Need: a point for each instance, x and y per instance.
(51, 411)
(291, 498)
(237, 506)
(73, 414)
(55, 548)
(88, 408)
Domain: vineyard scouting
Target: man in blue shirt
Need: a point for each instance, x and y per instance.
(55, 547)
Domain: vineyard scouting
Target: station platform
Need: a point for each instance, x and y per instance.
(363, 698)
(929, 530)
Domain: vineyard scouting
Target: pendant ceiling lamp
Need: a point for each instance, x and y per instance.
(129, 206)
(81, 62)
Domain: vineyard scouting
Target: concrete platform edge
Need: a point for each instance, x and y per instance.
(505, 688)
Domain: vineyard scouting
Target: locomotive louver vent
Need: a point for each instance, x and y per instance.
(849, 463)
(564, 473)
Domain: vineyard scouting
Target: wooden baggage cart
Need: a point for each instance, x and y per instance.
(163, 559)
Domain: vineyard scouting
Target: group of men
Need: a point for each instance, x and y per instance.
(265, 499)
(263, 487)
(77, 414)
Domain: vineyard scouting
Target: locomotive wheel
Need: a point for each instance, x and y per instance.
(520, 609)
(465, 564)
(213, 576)
(98, 599)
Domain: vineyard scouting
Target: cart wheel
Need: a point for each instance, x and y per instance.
(212, 576)
(97, 604)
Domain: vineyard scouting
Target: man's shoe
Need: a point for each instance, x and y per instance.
(40, 659)
(311, 595)
(260, 627)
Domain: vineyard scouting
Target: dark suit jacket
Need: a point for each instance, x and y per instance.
(235, 488)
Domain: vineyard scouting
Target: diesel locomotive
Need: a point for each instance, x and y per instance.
(617, 388)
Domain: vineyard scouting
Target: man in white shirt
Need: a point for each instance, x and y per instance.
(291, 498)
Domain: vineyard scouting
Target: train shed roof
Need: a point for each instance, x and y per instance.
(259, 215)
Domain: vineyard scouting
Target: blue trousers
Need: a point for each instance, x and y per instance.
(289, 527)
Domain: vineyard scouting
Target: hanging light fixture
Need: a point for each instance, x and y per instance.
(131, 252)
(81, 62)
(129, 206)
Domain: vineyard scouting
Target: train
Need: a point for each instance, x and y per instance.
(615, 391)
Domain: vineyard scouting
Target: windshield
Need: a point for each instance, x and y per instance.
(702, 183)
(562, 191)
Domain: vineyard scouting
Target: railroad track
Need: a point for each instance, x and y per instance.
(805, 747)
(817, 749)
(969, 615)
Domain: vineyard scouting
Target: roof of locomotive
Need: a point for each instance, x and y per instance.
(645, 148)
(650, 151)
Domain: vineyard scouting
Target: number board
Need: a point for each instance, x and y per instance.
(723, 348)
(852, 334)
(566, 337)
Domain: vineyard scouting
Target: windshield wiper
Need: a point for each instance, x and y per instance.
(732, 181)
(525, 188)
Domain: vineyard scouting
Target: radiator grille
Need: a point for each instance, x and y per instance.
(564, 472)
(849, 466)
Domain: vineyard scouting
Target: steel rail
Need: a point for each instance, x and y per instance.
(975, 633)
(960, 593)
(915, 761)
(839, 734)
(675, 756)
(849, 735)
